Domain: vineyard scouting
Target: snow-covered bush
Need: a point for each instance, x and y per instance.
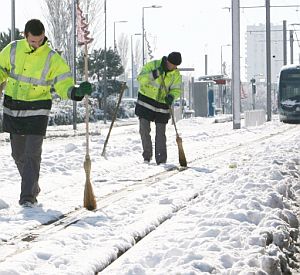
(126, 107)
(62, 111)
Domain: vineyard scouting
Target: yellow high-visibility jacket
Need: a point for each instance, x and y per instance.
(153, 88)
(29, 75)
(151, 103)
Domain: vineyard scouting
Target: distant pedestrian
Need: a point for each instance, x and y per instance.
(154, 102)
(30, 68)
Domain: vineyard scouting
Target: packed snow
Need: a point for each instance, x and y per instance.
(232, 211)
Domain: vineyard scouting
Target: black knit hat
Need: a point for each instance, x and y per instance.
(174, 58)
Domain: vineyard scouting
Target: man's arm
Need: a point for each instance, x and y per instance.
(149, 72)
(5, 66)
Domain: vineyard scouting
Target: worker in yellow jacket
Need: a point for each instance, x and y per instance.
(154, 102)
(30, 68)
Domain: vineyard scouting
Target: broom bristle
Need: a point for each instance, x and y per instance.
(182, 159)
(89, 201)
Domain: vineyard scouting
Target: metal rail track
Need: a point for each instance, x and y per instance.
(138, 238)
(33, 235)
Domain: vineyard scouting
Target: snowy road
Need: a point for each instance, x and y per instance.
(216, 217)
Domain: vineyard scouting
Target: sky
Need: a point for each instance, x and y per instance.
(233, 211)
(195, 28)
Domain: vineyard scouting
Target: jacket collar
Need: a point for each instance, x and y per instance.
(29, 49)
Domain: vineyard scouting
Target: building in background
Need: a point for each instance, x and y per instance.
(256, 52)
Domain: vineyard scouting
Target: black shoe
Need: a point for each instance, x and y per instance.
(147, 159)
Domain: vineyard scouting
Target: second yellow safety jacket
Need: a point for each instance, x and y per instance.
(151, 103)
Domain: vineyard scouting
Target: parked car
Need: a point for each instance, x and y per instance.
(127, 107)
(182, 101)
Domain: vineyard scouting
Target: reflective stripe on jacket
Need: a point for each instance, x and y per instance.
(29, 75)
(153, 88)
(151, 103)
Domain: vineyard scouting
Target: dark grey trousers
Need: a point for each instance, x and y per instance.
(27, 151)
(160, 141)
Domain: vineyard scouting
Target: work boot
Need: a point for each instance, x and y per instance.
(28, 204)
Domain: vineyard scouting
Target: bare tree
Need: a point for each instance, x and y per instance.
(150, 46)
(122, 48)
(137, 54)
(95, 11)
(59, 22)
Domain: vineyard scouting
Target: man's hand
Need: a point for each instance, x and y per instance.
(78, 93)
(85, 88)
(157, 72)
(169, 99)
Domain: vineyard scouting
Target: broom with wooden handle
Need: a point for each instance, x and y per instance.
(2, 86)
(182, 159)
(114, 117)
(89, 201)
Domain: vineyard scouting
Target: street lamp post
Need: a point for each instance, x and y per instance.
(74, 8)
(115, 43)
(105, 70)
(143, 27)
(226, 45)
(13, 29)
(132, 64)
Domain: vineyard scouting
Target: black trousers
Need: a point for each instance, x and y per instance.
(27, 151)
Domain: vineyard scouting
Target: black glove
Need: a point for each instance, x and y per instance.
(157, 72)
(169, 99)
(85, 88)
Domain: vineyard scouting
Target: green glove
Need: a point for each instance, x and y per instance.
(85, 88)
(161, 69)
(157, 72)
(169, 99)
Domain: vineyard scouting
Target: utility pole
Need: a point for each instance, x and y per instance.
(284, 43)
(205, 68)
(268, 60)
(13, 25)
(115, 42)
(74, 6)
(105, 73)
(236, 83)
(291, 46)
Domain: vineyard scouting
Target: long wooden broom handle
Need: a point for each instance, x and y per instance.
(114, 117)
(86, 101)
(170, 108)
(2, 85)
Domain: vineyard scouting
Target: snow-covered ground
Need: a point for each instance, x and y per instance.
(233, 211)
